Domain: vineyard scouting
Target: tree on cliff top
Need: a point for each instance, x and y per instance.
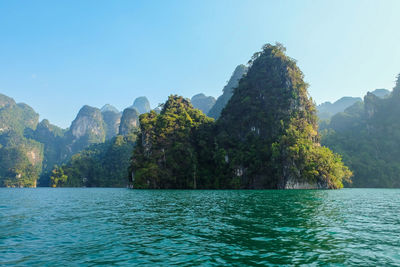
(269, 128)
(266, 137)
(165, 154)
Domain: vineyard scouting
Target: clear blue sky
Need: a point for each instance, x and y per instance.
(57, 56)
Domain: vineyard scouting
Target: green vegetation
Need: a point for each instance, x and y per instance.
(20, 157)
(29, 150)
(20, 161)
(166, 155)
(266, 137)
(100, 165)
(326, 110)
(368, 136)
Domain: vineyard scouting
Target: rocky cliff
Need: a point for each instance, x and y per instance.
(129, 121)
(141, 104)
(268, 129)
(87, 128)
(227, 91)
(203, 102)
(112, 119)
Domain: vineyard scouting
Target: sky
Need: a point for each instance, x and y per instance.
(57, 56)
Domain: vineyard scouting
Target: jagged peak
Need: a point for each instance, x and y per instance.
(109, 107)
(142, 104)
(6, 101)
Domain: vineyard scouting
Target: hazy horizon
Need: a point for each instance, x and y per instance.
(58, 57)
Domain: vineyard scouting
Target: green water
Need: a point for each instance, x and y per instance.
(86, 227)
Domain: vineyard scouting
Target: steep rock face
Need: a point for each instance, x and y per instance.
(266, 137)
(112, 121)
(52, 138)
(87, 128)
(227, 92)
(88, 122)
(129, 121)
(381, 93)
(108, 107)
(141, 104)
(16, 117)
(268, 129)
(6, 101)
(202, 102)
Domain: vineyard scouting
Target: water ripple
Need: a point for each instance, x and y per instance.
(91, 227)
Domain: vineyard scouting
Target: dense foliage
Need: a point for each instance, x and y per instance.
(100, 165)
(20, 160)
(268, 130)
(368, 136)
(29, 150)
(165, 155)
(266, 137)
(20, 157)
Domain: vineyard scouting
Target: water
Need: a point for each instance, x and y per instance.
(87, 227)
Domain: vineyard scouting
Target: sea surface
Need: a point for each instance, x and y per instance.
(95, 226)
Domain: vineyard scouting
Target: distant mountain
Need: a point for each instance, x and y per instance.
(202, 102)
(29, 148)
(16, 117)
(381, 93)
(227, 91)
(141, 104)
(327, 110)
(129, 121)
(20, 157)
(87, 128)
(52, 138)
(6, 101)
(367, 135)
(157, 110)
(112, 119)
(108, 107)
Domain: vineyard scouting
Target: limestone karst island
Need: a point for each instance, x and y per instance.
(264, 136)
(200, 133)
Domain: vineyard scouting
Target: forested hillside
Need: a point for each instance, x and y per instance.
(367, 134)
(29, 150)
(266, 137)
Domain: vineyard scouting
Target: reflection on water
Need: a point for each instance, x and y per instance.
(125, 227)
